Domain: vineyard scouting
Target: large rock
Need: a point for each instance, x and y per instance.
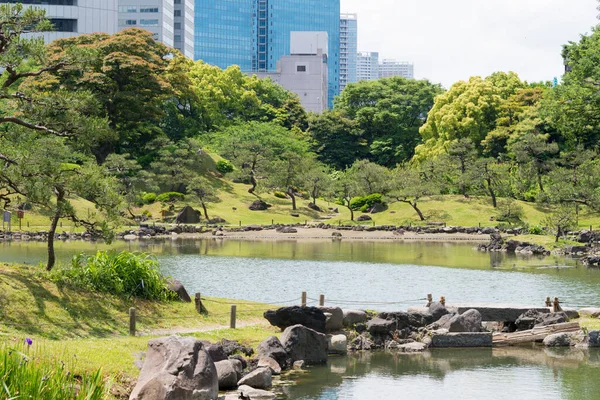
(338, 344)
(442, 323)
(414, 347)
(215, 351)
(176, 368)
(445, 340)
(590, 312)
(336, 320)
(249, 393)
(302, 343)
(353, 317)
(558, 340)
(499, 312)
(259, 205)
(533, 318)
(437, 310)
(380, 326)
(260, 378)
(227, 374)
(364, 218)
(268, 362)
(188, 216)
(311, 317)
(470, 321)
(177, 287)
(231, 347)
(271, 347)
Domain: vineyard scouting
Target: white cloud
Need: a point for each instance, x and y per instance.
(453, 40)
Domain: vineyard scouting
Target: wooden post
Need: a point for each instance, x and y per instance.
(240, 223)
(233, 313)
(429, 300)
(322, 300)
(132, 321)
(198, 302)
(443, 300)
(556, 307)
(548, 302)
(303, 299)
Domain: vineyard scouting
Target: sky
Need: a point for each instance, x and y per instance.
(451, 40)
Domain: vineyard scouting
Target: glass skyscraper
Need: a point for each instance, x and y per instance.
(223, 32)
(255, 34)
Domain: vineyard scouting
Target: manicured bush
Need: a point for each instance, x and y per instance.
(536, 230)
(366, 202)
(224, 166)
(121, 274)
(280, 195)
(169, 197)
(26, 374)
(147, 213)
(149, 198)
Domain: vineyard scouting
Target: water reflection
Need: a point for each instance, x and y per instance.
(520, 373)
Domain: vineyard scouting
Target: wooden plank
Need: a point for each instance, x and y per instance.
(535, 334)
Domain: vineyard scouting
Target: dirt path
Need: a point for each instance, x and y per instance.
(205, 328)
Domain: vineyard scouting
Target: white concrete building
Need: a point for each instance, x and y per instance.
(305, 71)
(76, 17)
(348, 49)
(367, 66)
(389, 68)
(156, 16)
(183, 27)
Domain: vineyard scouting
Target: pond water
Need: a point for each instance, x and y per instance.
(386, 276)
(507, 373)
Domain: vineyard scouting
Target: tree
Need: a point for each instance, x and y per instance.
(468, 110)
(462, 153)
(561, 221)
(345, 188)
(409, 185)
(204, 191)
(286, 173)
(175, 164)
(316, 180)
(337, 139)
(370, 177)
(389, 112)
(534, 151)
(491, 175)
(252, 147)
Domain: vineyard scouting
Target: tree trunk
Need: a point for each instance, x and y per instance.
(204, 208)
(351, 211)
(290, 193)
(414, 206)
(253, 182)
(558, 232)
(60, 196)
(492, 194)
(539, 176)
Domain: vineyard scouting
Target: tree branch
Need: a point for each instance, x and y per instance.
(14, 76)
(35, 127)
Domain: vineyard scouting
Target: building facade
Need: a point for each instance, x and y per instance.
(367, 66)
(389, 68)
(183, 26)
(224, 32)
(76, 17)
(255, 34)
(348, 49)
(305, 71)
(156, 16)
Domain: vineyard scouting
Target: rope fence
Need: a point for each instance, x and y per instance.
(250, 308)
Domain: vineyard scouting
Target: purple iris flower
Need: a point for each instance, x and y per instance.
(28, 341)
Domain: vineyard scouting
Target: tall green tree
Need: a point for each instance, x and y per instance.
(389, 112)
(535, 153)
(410, 185)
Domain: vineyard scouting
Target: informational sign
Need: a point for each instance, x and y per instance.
(20, 214)
(6, 216)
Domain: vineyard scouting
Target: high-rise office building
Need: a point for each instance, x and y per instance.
(255, 34)
(367, 66)
(76, 17)
(155, 16)
(389, 68)
(348, 49)
(183, 26)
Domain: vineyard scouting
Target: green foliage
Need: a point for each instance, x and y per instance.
(363, 203)
(561, 220)
(509, 211)
(536, 230)
(149, 198)
(279, 195)
(26, 374)
(170, 197)
(224, 166)
(121, 274)
(147, 213)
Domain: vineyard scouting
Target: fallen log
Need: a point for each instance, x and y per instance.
(533, 335)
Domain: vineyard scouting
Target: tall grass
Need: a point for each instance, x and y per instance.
(26, 374)
(121, 274)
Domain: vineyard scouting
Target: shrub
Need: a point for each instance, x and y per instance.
(147, 213)
(357, 203)
(536, 230)
(27, 375)
(121, 274)
(149, 198)
(224, 166)
(280, 195)
(169, 197)
(509, 211)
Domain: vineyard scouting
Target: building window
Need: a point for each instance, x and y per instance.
(177, 25)
(127, 9)
(148, 9)
(64, 25)
(177, 13)
(300, 68)
(148, 22)
(127, 22)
